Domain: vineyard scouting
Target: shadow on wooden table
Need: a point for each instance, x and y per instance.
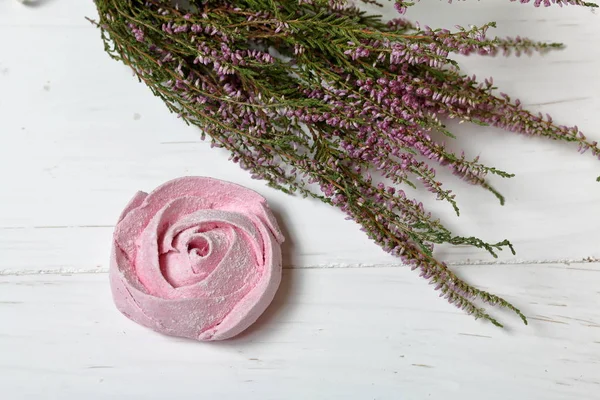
(36, 3)
(261, 328)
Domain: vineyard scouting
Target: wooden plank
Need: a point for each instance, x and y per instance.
(80, 136)
(378, 333)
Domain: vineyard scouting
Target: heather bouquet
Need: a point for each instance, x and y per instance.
(320, 98)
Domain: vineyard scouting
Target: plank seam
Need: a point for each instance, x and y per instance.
(103, 270)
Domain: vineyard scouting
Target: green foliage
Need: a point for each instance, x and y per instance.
(317, 119)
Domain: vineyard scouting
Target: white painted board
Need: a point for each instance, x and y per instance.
(352, 333)
(79, 135)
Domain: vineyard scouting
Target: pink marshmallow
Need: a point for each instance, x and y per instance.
(198, 258)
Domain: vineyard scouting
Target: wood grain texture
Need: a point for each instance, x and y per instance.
(358, 333)
(80, 135)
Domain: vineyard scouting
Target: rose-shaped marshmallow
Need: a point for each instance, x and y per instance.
(197, 258)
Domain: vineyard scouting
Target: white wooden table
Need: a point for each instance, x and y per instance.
(79, 135)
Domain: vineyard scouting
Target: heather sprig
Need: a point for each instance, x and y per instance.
(402, 5)
(320, 98)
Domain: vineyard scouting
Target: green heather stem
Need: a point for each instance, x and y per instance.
(322, 99)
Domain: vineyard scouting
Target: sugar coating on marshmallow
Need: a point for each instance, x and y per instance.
(198, 258)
